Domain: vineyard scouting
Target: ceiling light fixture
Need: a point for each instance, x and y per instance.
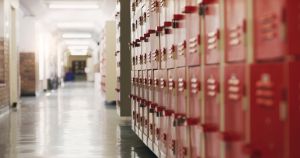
(77, 35)
(78, 47)
(75, 25)
(79, 52)
(73, 5)
(77, 42)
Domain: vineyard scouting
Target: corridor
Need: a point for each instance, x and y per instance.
(71, 122)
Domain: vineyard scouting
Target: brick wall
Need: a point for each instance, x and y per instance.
(4, 67)
(28, 74)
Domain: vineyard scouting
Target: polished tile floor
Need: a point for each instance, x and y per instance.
(72, 122)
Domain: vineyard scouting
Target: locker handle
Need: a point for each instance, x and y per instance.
(181, 85)
(171, 84)
(208, 128)
(168, 112)
(183, 151)
(162, 83)
(230, 136)
(178, 17)
(151, 31)
(153, 105)
(150, 81)
(190, 9)
(167, 24)
(192, 121)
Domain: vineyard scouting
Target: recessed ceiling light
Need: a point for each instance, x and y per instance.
(78, 47)
(75, 25)
(77, 42)
(77, 35)
(79, 52)
(73, 5)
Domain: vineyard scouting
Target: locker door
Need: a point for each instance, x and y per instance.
(154, 36)
(144, 104)
(181, 115)
(211, 125)
(211, 12)
(162, 21)
(169, 33)
(293, 109)
(150, 105)
(161, 107)
(156, 107)
(169, 112)
(132, 96)
(234, 132)
(193, 32)
(193, 120)
(269, 36)
(293, 30)
(235, 17)
(179, 26)
(140, 111)
(266, 119)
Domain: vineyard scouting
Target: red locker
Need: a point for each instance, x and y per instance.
(191, 11)
(235, 30)
(211, 12)
(266, 111)
(293, 85)
(235, 128)
(211, 125)
(269, 29)
(293, 31)
(194, 115)
(182, 132)
(179, 26)
(169, 112)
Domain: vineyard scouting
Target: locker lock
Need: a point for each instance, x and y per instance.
(192, 121)
(168, 112)
(142, 103)
(152, 107)
(159, 28)
(179, 120)
(202, 9)
(159, 111)
(173, 147)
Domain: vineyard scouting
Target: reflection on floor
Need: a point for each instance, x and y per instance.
(69, 123)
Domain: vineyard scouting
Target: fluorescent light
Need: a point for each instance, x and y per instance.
(77, 42)
(73, 6)
(77, 35)
(75, 25)
(79, 52)
(78, 47)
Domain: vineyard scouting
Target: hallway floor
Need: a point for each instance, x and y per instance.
(72, 122)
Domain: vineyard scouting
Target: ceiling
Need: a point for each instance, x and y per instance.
(53, 17)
